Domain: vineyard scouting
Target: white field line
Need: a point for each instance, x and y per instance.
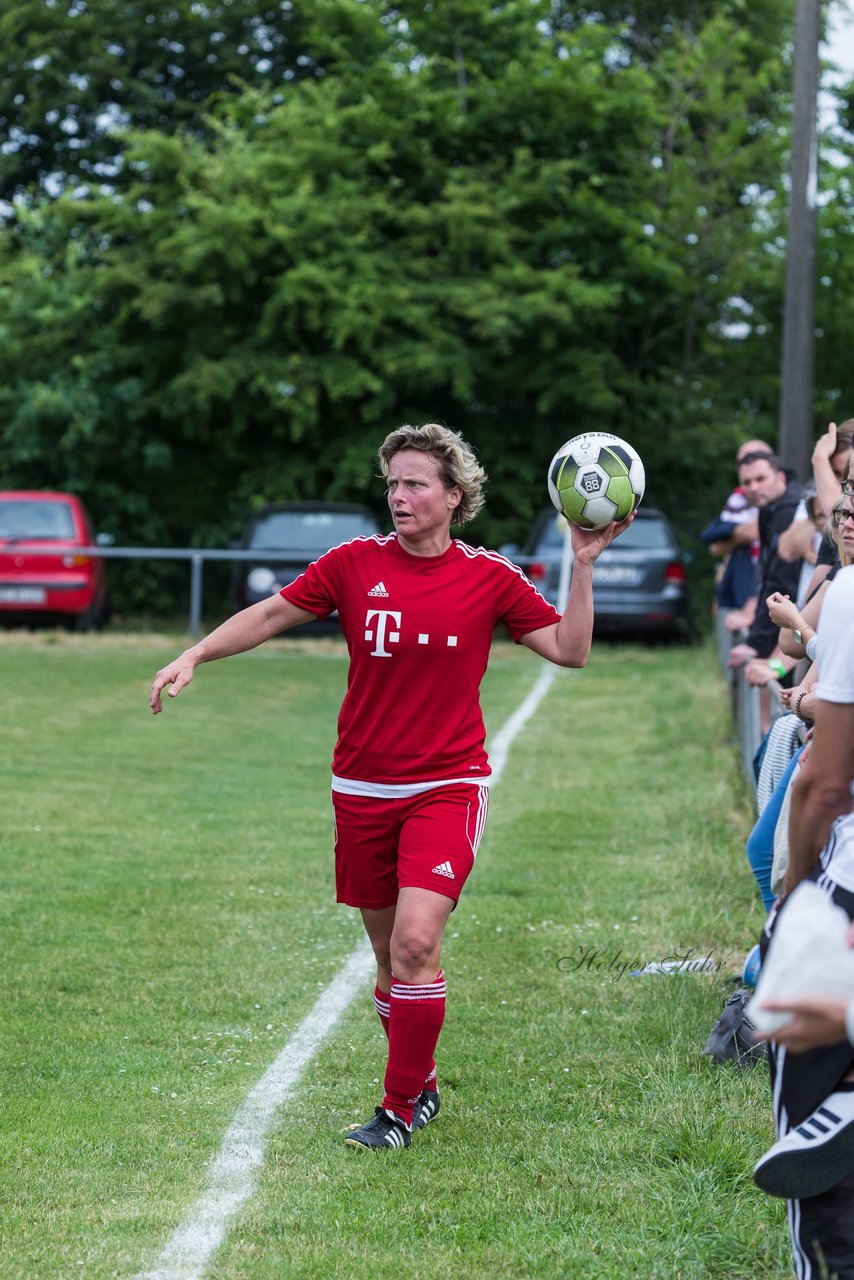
(232, 1173)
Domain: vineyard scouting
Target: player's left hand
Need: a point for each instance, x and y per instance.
(588, 544)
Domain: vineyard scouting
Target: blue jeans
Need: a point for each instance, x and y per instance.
(760, 842)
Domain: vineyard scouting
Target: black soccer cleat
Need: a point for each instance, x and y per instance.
(426, 1108)
(385, 1130)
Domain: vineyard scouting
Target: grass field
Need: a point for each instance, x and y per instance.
(168, 919)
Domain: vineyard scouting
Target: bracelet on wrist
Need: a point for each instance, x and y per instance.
(778, 667)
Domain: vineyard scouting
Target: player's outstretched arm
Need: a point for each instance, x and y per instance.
(244, 630)
(567, 643)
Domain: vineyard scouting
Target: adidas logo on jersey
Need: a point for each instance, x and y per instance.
(444, 869)
(378, 590)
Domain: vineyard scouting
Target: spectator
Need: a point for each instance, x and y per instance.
(777, 494)
(812, 1163)
(733, 540)
(830, 461)
(785, 743)
(801, 541)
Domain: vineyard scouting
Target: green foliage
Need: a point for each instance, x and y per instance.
(76, 73)
(517, 219)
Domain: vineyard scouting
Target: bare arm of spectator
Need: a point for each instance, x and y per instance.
(740, 655)
(798, 541)
(722, 548)
(740, 619)
(746, 532)
(789, 618)
(819, 574)
(821, 791)
(761, 671)
(800, 699)
(826, 482)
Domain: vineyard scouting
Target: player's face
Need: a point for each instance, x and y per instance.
(762, 485)
(421, 507)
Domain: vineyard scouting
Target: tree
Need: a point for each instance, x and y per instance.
(488, 218)
(78, 74)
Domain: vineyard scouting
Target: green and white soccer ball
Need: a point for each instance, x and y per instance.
(596, 478)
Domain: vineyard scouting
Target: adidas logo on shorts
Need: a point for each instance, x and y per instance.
(444, 869)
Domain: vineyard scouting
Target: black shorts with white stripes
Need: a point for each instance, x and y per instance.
(822, 1227)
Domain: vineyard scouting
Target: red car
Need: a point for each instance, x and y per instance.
(64, 584)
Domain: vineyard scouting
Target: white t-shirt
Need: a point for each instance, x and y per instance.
(835, 660)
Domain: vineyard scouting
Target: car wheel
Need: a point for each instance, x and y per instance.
(94, 618)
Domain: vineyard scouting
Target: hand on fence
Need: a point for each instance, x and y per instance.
(739, 655)
(758, 673)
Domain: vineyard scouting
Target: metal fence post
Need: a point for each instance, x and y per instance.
(196, 565)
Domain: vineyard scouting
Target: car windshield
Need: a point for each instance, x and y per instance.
(30, 518)
(643, 534)
(309, 530)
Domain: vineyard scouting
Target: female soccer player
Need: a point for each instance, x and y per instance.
(410, 774)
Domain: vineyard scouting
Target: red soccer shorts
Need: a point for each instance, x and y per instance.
(428, 841)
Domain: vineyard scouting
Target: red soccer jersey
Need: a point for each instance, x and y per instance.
(419, 630)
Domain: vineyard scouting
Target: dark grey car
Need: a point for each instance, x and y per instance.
(639, 582)
(298, 532)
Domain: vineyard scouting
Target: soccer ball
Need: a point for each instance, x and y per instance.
(596, 478)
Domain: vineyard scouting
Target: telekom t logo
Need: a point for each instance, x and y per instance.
(382, 632)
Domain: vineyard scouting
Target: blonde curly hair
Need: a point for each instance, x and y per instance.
(453, 456)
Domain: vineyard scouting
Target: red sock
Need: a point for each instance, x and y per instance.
(381, 999)
(381, 1004)
(417, 1014)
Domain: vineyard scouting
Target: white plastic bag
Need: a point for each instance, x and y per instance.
(809, 956)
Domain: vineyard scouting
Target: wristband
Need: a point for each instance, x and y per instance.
(849, 1022)
(778, 668)
(811, 647)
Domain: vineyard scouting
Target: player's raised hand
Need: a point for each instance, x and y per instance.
(178, 675)
(588, 544)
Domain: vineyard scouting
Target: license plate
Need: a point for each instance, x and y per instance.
(623, 575)
(22, 595)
